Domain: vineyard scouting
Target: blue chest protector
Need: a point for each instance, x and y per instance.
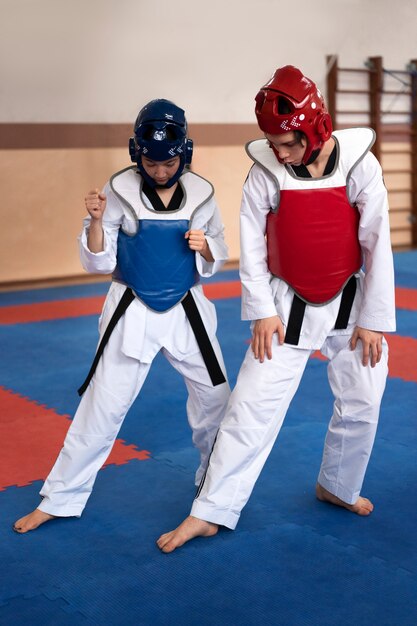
(158, 266)
(156, 262)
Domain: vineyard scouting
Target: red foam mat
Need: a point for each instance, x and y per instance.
(76, 307)
(31, 437)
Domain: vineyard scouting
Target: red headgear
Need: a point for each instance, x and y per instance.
(307, 110)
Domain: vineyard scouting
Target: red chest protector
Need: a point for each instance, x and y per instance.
(312, 242)
(312, 235)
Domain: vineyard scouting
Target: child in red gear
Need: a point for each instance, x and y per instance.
(320, 199)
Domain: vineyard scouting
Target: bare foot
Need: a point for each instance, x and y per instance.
(362, 506)
(32, 521)
(190, 528)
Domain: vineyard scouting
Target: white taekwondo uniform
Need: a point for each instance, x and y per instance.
(263, 391)
(138, 336)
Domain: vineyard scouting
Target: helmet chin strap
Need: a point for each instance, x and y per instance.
(166, 186)
(151, 181)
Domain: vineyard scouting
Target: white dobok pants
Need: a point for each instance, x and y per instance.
(255, 414)
(114, 387)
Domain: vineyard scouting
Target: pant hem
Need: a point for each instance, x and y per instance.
(209, 514)
(59, 511)
(340, 492)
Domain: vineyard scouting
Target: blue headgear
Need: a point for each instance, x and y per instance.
(161, 134)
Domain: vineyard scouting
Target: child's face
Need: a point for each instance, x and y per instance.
(161, 171)
(290, 150)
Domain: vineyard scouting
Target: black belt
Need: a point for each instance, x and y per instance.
(126, 299)
(209, 357)
(346, 303)
(292, 336)
(295, 321)
(203, 341)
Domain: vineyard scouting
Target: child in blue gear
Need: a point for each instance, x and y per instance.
(156, 228)
(314, 212)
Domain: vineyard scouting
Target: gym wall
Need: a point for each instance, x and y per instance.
(74, 76)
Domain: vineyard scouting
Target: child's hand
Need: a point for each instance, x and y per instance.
(371, 345)
(198, 242)
(95, 203)
(262, 333)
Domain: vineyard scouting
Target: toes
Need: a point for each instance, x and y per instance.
(363, 507)
(189, 529)
(31, 521)
(170, 541)
(163, 540)
(21, 529)
(19, 526)
(169, 547)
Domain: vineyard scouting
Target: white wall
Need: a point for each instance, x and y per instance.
(100, 60)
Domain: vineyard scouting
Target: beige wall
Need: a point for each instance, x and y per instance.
(43, 203)
(42, 208)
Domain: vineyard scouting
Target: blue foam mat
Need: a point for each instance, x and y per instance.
(292, 561)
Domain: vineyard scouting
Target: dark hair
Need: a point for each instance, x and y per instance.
(299, 136)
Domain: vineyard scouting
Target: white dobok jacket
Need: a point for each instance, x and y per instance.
(140, 323)
(264, 295)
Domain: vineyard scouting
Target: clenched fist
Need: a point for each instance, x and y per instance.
(95, 203)
(197, 241)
